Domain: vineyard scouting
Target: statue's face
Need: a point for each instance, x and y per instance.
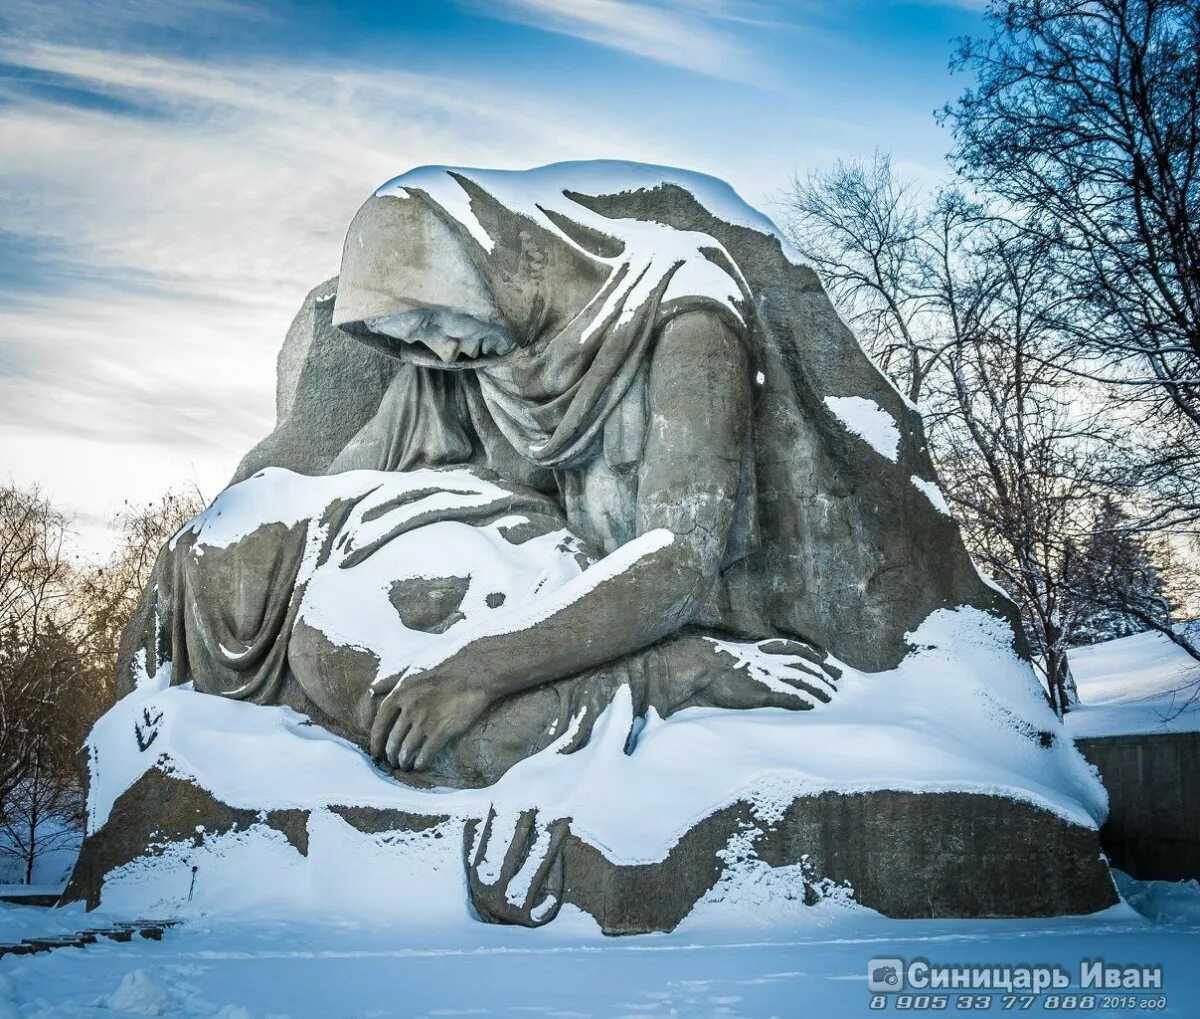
(451, 337)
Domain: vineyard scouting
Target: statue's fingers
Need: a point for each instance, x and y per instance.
(776, 646)
(379, 729)
(559, 830)
(804, 669)
(523, 837)
(795, 672)
(807, 688)
(789, 701)
(385, 719)
(414, 739)
(792, 648)
(753, 694)
(396, 736)
(583, 723)
(543, 885)
(485, 837)
(433, 746)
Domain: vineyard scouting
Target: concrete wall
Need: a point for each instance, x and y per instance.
(1153, 782)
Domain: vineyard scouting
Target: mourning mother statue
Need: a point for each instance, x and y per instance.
(551, 433)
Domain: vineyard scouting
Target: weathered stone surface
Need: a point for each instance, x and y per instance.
(1153, 781)
(374, 820)
(566, 356)
(947, 854)
(874, 558)
(906, 855)
(903, 854)
(242, 618)
(159, 809)
(327, 385)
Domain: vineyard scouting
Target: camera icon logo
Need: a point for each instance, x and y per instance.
(885, 975)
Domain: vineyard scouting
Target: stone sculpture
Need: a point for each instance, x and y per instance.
(612, 378)
(549, 436)
(327, 611)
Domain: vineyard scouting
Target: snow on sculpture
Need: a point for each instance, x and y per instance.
(565, 457)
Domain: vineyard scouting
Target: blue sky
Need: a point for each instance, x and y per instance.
(176, 175)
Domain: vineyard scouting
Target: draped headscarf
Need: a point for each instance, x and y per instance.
(583, 305)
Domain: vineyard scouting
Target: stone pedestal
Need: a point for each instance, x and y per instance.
(904, 854)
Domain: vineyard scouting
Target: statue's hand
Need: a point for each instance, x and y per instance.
(421, 714)
(775, 673)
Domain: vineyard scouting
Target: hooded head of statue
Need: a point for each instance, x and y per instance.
(551, 305)
(427, 282)
(410, 286)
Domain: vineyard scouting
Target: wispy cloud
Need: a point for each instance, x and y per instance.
(176, 175)
(163, 242)
(80, 20)
(699, 35)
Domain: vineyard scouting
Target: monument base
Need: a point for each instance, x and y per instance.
(904, 854)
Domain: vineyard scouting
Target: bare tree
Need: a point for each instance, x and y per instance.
(44, 811)
(1020, 447)
(108, 594)
(1085, 120)
(864, 231)
(59, 630)
(968, 312)
(35, 577)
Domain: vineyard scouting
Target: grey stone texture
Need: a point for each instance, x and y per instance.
(1153, 782)
(904, 854)
(159, 809)
(325, 388)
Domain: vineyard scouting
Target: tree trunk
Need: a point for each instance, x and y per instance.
(1054, 683)
(34, 798)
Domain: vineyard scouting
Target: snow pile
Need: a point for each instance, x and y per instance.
(1176, 903)
(961, 713)
(524, 191)
(140, 993)
(870, 422)
(752, 893)
(1138, 684)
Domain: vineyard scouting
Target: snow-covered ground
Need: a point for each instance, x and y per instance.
(815, 965)
(1138, 684)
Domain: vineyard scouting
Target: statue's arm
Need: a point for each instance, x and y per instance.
(698, 397)
(699, 412)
